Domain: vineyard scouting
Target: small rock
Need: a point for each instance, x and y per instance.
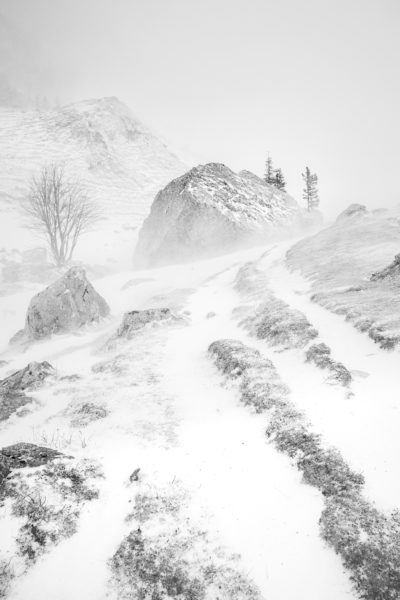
(135, 475)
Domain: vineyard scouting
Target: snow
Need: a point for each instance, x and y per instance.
(170, 416)
(363, 426)
(121, 163)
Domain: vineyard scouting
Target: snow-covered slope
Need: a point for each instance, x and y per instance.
(218, 507)
(211, 210)
(121, 163)
(341, 261)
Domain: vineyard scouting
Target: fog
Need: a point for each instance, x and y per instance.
(314, 83)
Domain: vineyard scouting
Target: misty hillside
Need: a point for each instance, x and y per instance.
(121, 163)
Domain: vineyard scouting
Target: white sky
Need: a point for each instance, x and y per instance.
(314, 82)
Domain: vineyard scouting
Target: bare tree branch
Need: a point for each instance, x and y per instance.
(60, 211)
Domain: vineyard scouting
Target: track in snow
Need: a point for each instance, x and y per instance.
(170, 415)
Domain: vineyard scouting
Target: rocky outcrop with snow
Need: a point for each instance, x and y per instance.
(67, 304)
(391, 272)
(211, 210)
(135, 320)
(13, 388)
(31, 377)
(354, 210)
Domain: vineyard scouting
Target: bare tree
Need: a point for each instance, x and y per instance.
(60, 211)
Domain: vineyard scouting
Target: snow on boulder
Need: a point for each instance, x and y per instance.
(211, 210)
(65, 305)
(354, 210)
(30, 377)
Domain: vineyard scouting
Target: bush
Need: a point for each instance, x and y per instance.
(368, 542)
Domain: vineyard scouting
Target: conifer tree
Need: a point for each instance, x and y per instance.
(310, 191)
(279, 182)
(269, 176)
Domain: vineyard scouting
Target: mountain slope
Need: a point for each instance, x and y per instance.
(351, 268)
(121, 162)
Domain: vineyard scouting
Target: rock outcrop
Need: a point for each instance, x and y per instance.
(391, 272)
(13, 387)
(137, 319)
(354, 210)
(30, 377)
(65, 305)
(211, 210)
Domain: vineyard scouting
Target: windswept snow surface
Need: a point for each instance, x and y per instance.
(121, 163)
(169, 414)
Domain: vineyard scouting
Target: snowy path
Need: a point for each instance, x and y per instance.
(364, 426)
(170, 415)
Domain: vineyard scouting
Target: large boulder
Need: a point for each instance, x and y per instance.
(211, 210)
(67, 304)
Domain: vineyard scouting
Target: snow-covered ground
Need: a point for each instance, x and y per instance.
(121, 163)
(167, 412)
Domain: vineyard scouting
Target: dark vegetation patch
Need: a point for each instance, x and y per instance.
(6, 576)
(261, 386)
(347, 266)
(48, 498)
(83, 413)
(25, 454)
(367, 540)
(269, 318)
(280, 325)
(320, 355)
(167, 557)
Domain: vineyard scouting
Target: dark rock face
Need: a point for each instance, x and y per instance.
(354, 210)
(389, 273)
(320, 355)
(211, 210)
(12, 388)
(135, 320)
(67, 304)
